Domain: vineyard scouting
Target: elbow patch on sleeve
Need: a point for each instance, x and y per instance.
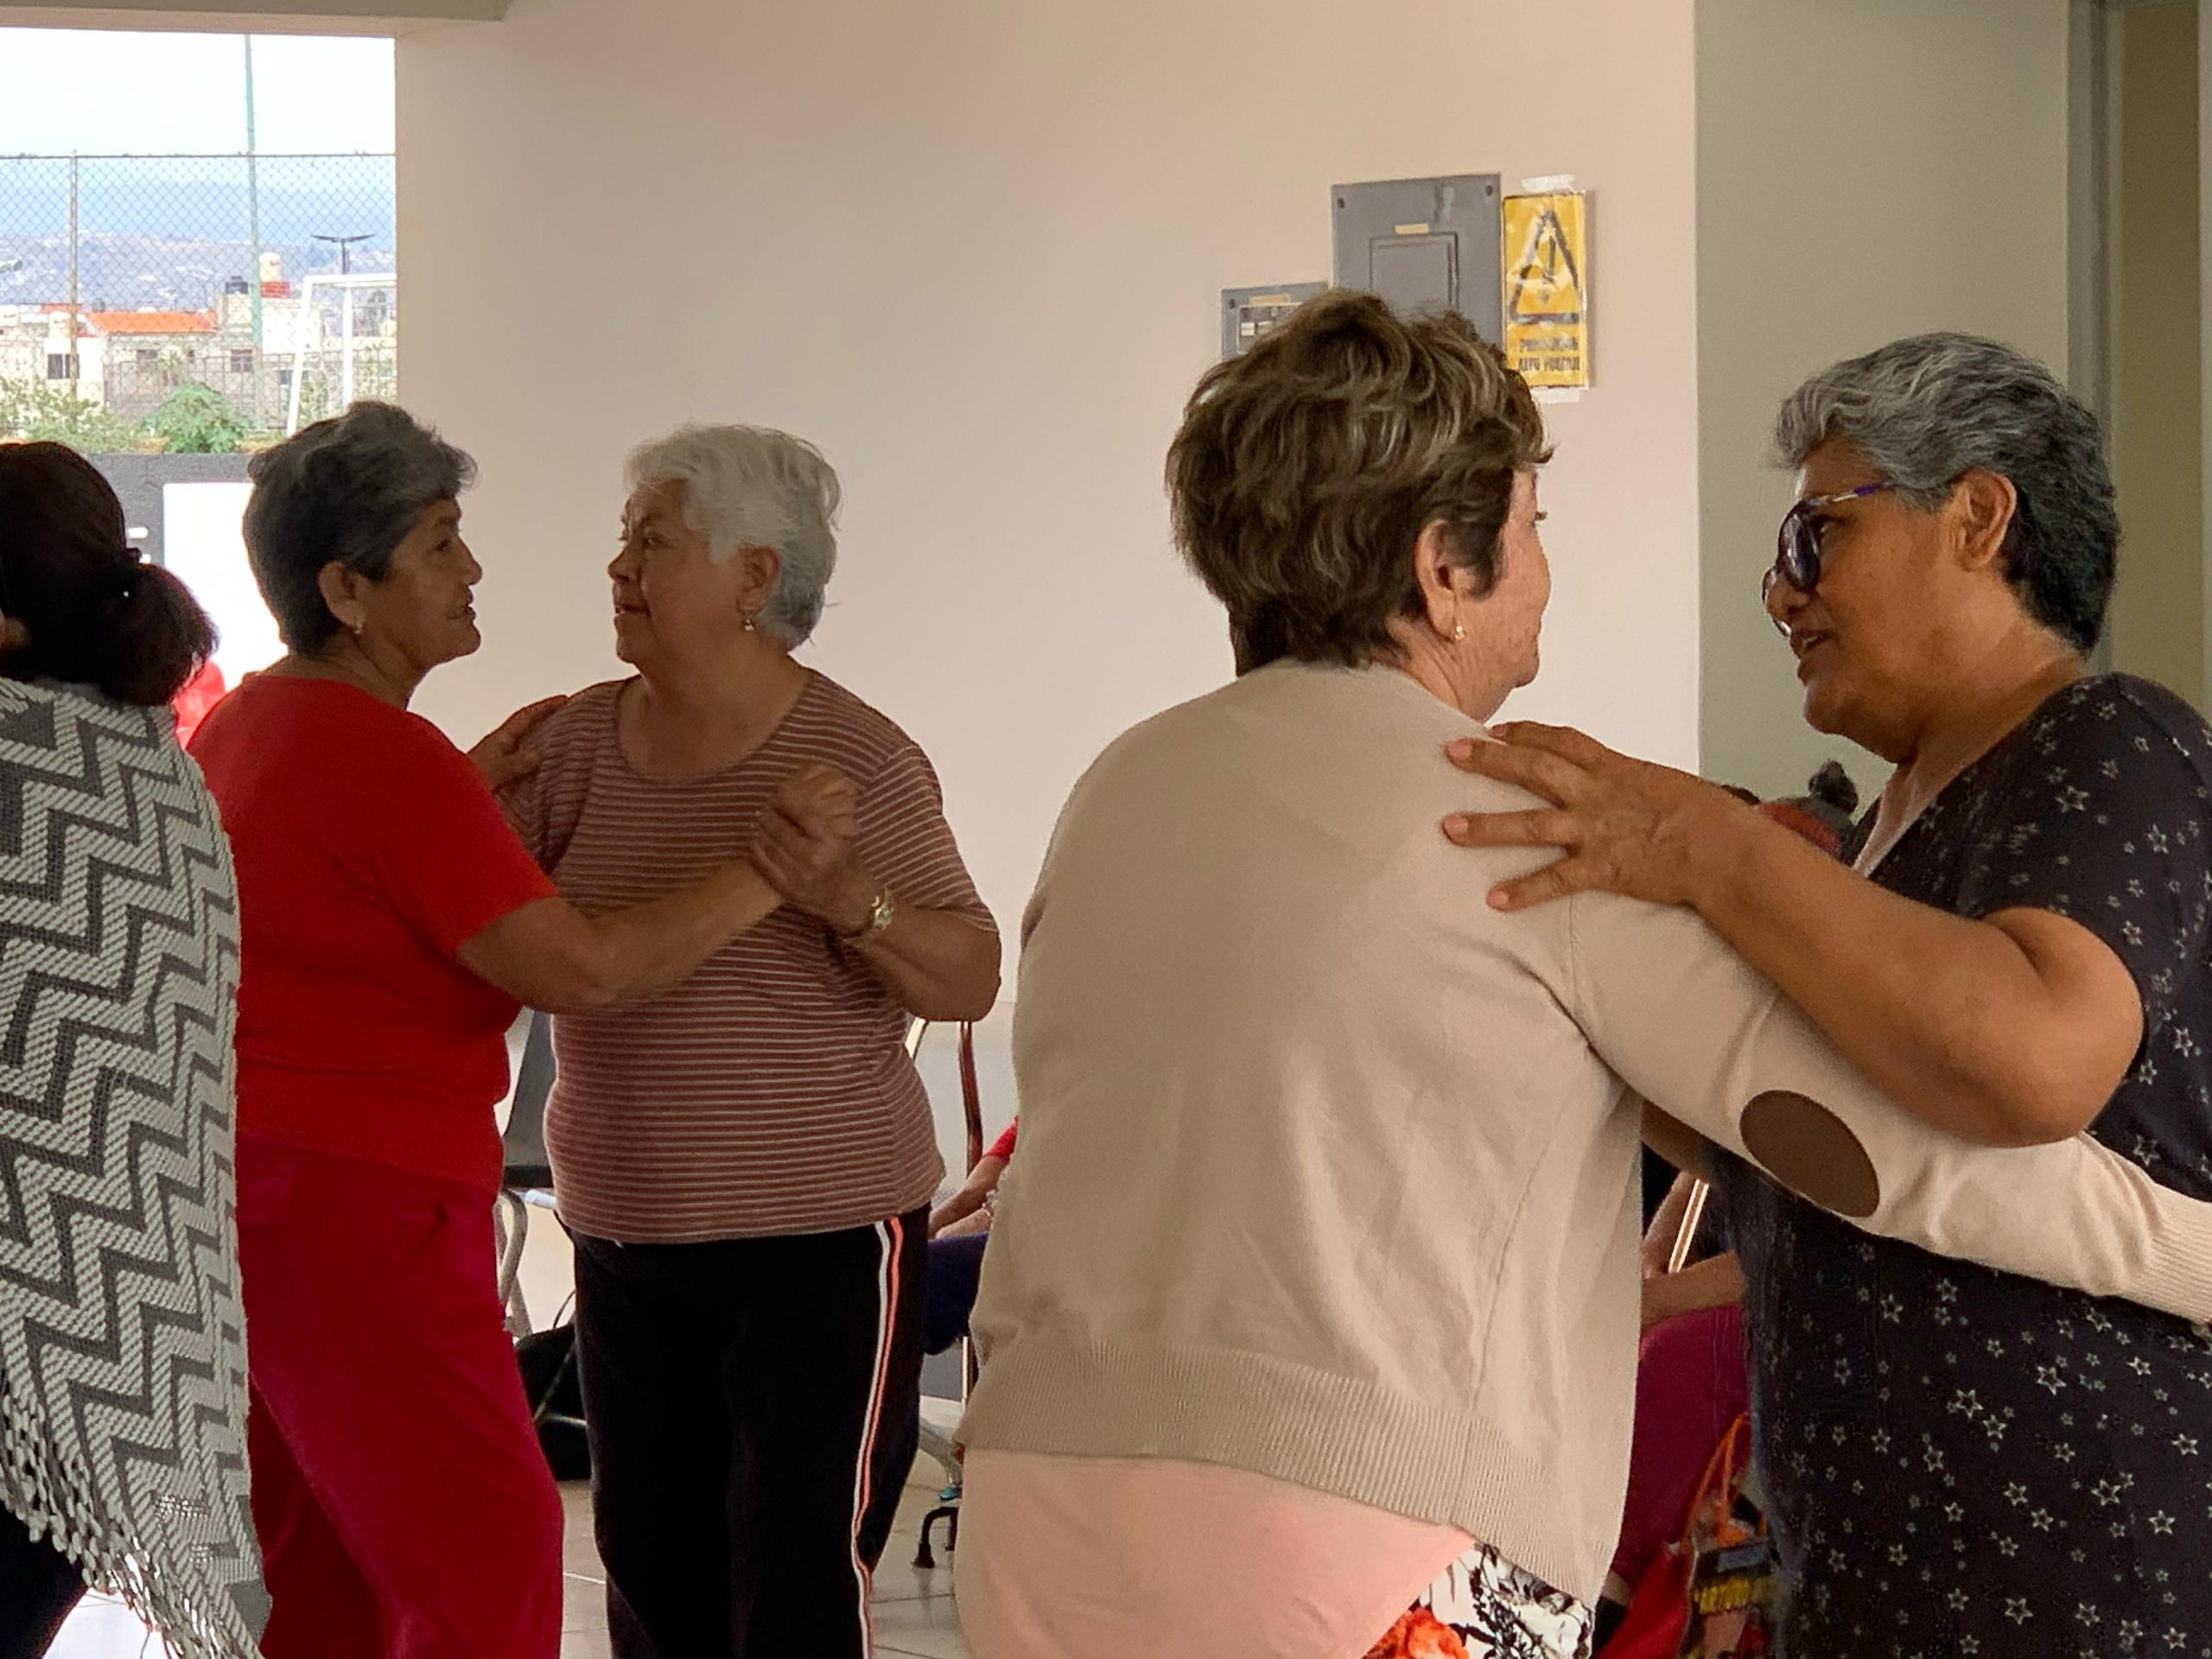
(1811, 1151)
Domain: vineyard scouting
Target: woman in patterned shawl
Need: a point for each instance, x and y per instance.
(122, 1374)
(1958, 1461)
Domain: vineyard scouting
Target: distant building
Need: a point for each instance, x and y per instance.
(130, 361)
(35, 343)
(133, 359)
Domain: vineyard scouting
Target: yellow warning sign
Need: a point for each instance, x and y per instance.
(1547, 246)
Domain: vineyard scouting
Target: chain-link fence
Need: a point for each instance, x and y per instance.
(193, 303)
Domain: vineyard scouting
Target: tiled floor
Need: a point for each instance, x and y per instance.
(915, 1614)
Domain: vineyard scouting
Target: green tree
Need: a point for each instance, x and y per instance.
(52, 411)
(198, 419)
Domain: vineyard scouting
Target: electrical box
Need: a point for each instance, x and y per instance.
(1247, 313)
(1424, 245)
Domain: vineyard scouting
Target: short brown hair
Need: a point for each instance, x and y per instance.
(1307, 469)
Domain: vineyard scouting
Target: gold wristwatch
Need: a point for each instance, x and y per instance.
(881, 911)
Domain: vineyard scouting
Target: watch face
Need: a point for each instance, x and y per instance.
(881, 911)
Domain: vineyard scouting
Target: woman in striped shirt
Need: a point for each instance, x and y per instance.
(747, 1162)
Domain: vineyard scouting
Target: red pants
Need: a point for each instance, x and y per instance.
(404, 1508)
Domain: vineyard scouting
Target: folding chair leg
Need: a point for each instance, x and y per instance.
(925, 1557)
(513, 1219)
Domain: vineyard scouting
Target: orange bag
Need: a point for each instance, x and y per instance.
(1709, 1595)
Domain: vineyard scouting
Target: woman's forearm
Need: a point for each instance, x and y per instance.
(1985, 1028)
(650, 948)
(551, 956)
(939, 965)
(1717, 1282)
(982, 1182)
(1688, 1025)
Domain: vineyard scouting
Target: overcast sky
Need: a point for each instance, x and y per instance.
(100, 92)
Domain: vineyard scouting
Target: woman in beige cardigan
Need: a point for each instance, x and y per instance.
(1313, 1320)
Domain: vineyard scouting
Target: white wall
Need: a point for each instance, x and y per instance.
(203, 544)
(974, 250)
(1867, 170)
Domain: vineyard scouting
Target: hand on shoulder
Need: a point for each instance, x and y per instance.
(517, 748)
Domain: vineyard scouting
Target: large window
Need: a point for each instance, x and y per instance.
(198, 246)
(197, 255)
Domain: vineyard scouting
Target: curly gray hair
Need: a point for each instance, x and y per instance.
(1923, 411)
(754, 487)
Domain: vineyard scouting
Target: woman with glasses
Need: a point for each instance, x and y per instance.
(1958, 1461)
(1311, 1326)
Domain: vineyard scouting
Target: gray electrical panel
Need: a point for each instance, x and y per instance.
(1247, 313)
(1424, 245)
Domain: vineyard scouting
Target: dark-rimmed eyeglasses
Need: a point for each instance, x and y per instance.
(1798, 544)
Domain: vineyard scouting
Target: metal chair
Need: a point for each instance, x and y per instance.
(526, 1183)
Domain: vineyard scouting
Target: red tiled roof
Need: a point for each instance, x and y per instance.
(151, 322)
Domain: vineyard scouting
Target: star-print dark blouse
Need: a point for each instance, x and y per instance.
(1958, 1461)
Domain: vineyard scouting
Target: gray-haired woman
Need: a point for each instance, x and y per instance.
(391, 922)
(1316, 1295)
(1959, 1460)
(746, 1163)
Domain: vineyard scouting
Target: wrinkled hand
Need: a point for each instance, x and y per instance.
(805, 847)
(517, 748)
(1627, 826)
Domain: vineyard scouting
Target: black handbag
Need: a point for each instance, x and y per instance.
(551, 1385)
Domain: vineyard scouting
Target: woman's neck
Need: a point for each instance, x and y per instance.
(693, 720)
(1448, 677)
(1968, 723)
(348, 662)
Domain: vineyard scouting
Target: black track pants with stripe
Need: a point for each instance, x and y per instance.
(753, 1406)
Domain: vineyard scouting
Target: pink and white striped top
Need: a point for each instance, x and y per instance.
(771, 1092)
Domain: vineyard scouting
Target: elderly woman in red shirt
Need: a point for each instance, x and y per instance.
(391, 923)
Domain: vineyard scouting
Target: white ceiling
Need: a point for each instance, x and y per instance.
(260, 16)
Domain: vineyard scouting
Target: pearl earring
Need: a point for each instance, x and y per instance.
(1459, 633)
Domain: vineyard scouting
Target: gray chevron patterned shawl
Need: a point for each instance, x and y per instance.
(121, 1353)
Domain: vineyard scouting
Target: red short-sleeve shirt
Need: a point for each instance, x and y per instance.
(368, 850)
